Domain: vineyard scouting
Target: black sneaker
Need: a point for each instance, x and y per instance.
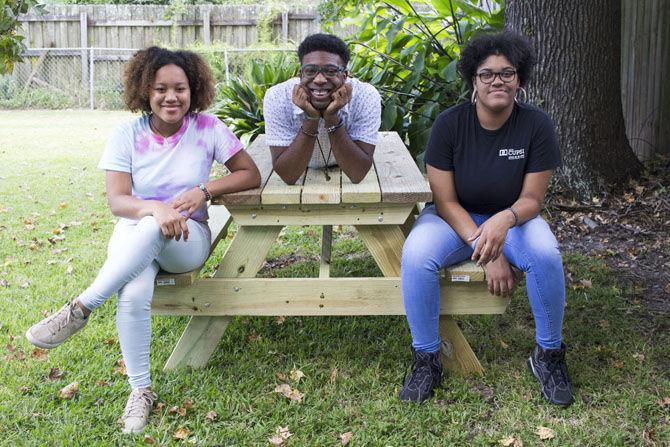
(548, 366)
(426, 375)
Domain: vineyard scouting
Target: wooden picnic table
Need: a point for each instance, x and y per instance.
(382, 208)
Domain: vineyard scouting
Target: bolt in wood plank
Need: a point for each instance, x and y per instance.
(313, 296)
(456, 352)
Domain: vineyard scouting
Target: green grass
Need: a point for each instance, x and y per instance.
(618, 357)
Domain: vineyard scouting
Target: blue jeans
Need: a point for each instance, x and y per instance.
(433, 245)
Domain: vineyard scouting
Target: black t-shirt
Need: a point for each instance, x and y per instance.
(489, 165)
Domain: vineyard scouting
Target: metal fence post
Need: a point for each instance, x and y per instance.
(83, 43)
(91, 76)
(225, 61)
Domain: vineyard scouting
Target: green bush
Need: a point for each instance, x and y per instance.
(240, 101)
(14, 96)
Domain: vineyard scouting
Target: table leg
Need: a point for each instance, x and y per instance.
(457, 354)
(326, 249)
(244, 258)
(385, 244)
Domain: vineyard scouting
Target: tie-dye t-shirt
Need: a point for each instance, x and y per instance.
(162, 168)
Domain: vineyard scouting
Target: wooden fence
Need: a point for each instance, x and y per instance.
(132, 26)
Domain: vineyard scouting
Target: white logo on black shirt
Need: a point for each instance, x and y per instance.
(512, 154)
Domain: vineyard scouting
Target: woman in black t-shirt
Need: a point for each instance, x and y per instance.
(489, 162)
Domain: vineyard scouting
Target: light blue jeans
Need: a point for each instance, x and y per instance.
(433, 244)
(137, 251)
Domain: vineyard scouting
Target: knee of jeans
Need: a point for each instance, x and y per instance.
(135, 298)
(149, 224)
(417, 257)
(547, 258)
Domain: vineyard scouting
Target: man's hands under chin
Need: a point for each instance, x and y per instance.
(301, 98)
(339, 98)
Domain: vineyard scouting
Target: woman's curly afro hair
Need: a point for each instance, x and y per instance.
(516, 48)
(141, 70)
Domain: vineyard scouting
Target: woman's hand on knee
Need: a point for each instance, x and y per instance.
(500, 277)
(491, 234)
(171, 222)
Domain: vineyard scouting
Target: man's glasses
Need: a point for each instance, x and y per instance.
(329, 71)
(488, 76)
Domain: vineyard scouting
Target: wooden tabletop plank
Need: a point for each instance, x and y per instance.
(399, 177)
(277, 192)
(260, 152)
(319, 190)
(367, 191)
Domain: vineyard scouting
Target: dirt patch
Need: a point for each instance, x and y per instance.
(629, 230)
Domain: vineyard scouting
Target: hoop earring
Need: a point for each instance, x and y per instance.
(525, 95)
(473, 98)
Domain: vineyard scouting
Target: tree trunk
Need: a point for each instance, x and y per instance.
(645, 56)
(577, 81)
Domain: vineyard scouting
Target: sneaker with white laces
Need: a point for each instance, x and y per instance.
(138, 407)
(56, 328)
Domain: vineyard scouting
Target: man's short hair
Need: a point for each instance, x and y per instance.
(324, 42)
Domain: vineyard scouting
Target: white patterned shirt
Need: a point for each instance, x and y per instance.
(361, 116)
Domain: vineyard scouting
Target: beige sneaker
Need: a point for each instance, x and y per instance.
(56, 328)
(139, 405)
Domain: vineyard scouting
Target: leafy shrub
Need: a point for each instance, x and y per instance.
(240, 101)
(14, 96)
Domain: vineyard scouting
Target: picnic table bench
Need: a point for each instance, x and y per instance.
(382, 208)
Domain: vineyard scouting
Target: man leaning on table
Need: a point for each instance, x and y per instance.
(323, 118)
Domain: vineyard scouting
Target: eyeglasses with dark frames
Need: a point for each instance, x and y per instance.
(488, 76)
(329, 71)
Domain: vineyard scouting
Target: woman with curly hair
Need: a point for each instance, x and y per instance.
(157, 180)
(489, 162)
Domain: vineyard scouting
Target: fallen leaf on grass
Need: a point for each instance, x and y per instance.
(55, 374)
(333, 375)
(296, 375)
(545, 433)
(4, 283)
(24, 390)
(280, 320)
(182, 433)
(486, 392)
(503, 344)
(120, 368)
(281, 436)
(511, 441)
(618, 364)
(211, 416)
(181, 411)
(286, 390)
(69, 270)
(282, 377)
(586, 283)
(639, 357)
(62, 205)
(188, 403)
(149, 440)
(159, 407)
(69, 391)
(101, 383)
(25, 285)
(39, 354)
(253, 337)
(110, 342)
(346, 437)
(665, 402)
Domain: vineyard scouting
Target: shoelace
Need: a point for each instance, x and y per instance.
(137, 403)
(60, 324)
(555, 362)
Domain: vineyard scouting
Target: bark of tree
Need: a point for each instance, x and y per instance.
(645, 56)
(577, 81)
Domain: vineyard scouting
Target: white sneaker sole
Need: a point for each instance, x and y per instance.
(39, 343)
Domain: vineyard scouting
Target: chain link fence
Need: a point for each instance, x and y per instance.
(60, 78)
